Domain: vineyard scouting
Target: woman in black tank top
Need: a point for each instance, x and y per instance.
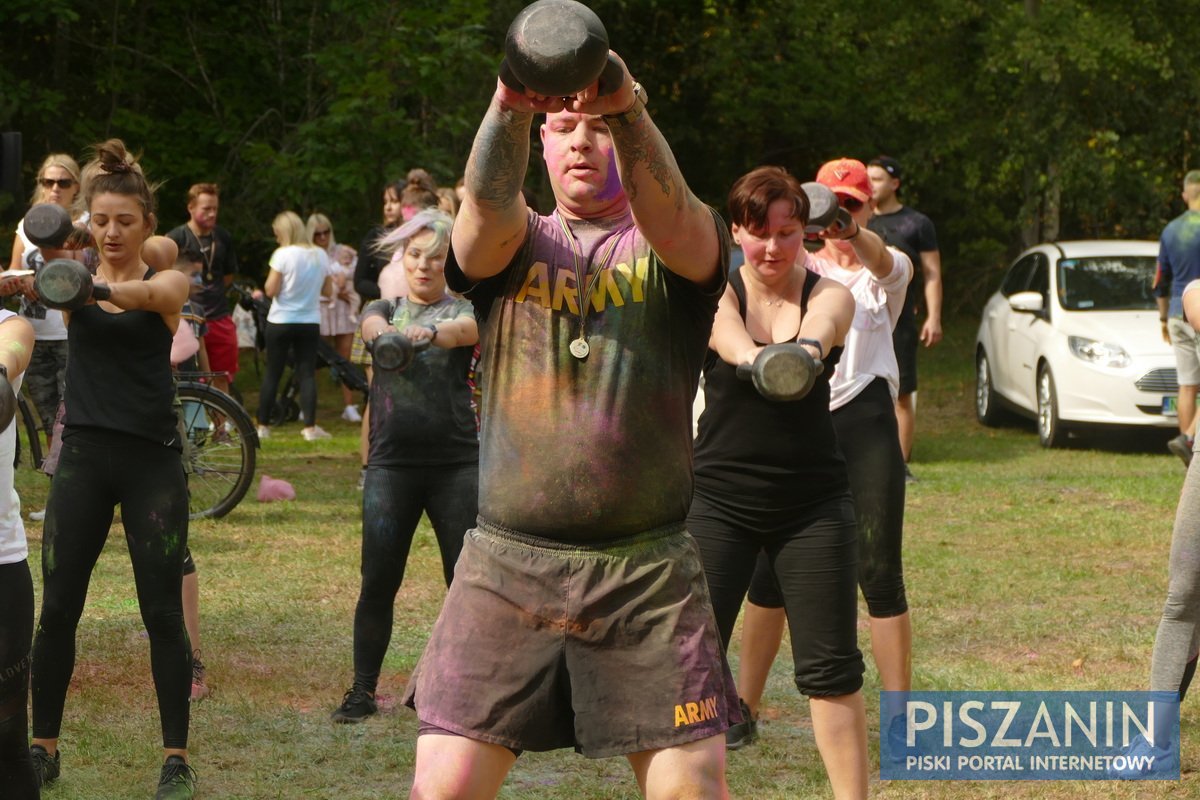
(120, 445)
(769, 476)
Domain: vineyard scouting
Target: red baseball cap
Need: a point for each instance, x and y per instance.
(846, 176)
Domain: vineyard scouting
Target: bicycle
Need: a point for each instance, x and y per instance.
(219, 447)
(342, 370)
(29, 436)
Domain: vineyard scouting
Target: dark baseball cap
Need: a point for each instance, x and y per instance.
(889, 164)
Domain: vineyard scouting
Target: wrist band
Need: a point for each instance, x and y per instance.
(630, 115)
(816, 344)
(857, 231)
(433, 330)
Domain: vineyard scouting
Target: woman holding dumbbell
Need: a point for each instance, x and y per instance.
(862, 398)
(769, 476)
(57, 182)
(424, 451)
(120, 445)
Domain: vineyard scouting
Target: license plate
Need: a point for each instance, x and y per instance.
(1169, 406)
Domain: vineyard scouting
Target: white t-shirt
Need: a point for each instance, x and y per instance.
(869, 353)
(12, 530)
(52, 328)
(299, 300)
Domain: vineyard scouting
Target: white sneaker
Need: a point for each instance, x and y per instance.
(37, 516)
(264, 432)
(314, 433)
(350, 414)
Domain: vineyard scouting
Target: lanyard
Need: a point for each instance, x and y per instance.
(579, 346)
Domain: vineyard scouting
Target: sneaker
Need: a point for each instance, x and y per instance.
(1181, 446)
(357, 705)
(264, 432)
(45, 766)
(744, 732)
(350, 414)
(200, 689)
(908, 476)
(37, 516)
(314, 433)
(177, 781)
(1142, 760)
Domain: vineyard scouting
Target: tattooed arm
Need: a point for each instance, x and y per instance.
(676, 224)
(492, 223)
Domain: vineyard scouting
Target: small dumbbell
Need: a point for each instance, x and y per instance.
(823, 208)
(782, 372)
(48, 225)
(558, 48)
(392, 351)
(68, 285)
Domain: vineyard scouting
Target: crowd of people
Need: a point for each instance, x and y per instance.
(531, 379)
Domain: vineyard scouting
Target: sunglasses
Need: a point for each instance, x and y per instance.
(321, 233)
(851, 204)
(62, 183)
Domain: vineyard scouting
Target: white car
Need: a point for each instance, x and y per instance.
(1072, 338)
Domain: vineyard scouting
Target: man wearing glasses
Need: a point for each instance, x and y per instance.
(201, 233)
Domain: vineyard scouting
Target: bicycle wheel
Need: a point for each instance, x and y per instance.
(219, 449)
(29, 437)
(286, 407)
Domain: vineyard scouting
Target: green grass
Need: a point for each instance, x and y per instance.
(1026, 569)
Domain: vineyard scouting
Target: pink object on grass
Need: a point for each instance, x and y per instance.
(271, 489)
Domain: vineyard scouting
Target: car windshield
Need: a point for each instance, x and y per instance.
(1106, 283)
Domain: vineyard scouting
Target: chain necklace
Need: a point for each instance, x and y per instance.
(579, 347)
(208, 255)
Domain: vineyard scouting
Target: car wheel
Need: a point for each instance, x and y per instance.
(987, 404)
(1051, 432)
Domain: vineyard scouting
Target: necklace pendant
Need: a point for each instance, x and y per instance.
(580, 349)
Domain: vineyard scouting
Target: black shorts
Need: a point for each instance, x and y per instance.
(905, 340)
(609, 648)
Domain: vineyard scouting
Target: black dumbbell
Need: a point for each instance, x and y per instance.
(67, 284)
(782, 372)
(558, 48)
(48, 225)
(392, 351)
(823, 208)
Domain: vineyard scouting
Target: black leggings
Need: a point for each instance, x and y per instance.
(393, 500)
(17, 780)
(98, 470)
(816, 563)
(870, 442)
(301, 339)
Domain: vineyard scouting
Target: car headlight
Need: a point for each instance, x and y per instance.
(1102, 353)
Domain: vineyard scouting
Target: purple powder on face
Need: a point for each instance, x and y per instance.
(612, 181)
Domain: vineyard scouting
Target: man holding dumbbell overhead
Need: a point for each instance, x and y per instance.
(214, 243)
(579, 614)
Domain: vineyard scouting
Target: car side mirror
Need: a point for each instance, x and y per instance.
(1031, 302)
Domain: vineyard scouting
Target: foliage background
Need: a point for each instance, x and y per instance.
(1016, 120)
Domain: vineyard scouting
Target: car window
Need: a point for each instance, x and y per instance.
(1039, 279)
(1017, 279)
(1108, 283)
